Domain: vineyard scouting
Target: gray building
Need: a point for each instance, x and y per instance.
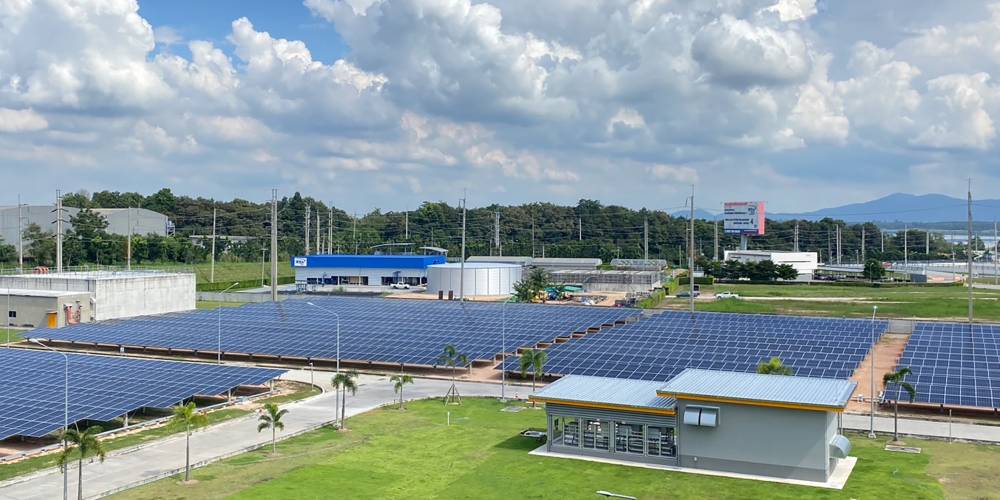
(142, 221)
(764, 425)
(550, 264)
(45, 308)
(609, 281)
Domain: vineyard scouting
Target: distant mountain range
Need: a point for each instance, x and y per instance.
(899, 208)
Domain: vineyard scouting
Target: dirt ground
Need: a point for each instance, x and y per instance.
(887, 353)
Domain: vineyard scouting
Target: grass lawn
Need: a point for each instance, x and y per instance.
(213, 304)
(948, 302)
(414, 454)
(8, 471)
(248, 272)
(15, 335)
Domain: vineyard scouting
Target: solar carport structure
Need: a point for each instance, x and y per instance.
(102, 388)
(660, 347)
(389, 331)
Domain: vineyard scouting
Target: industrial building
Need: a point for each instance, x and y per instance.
(141, 220)
(46, 308)
(639, 264)
(481, 278)
(363, 270)
(113, 294)
(803, 262)
(609, 281)
(550, 264)
(745, 423)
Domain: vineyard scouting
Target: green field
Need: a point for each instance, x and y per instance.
(930, 302)
(244, 272)
(15, 335)
(414, 454)
(8, 471)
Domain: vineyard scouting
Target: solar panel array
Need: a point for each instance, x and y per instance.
(659, 347)
(952, 364)
(395, 331)
(102, 387)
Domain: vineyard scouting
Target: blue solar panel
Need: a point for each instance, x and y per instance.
(952, 364)
(659, 347)
(102, 387)
(392, 331)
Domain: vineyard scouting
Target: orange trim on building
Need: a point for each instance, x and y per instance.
(605, 406)
(769, 404)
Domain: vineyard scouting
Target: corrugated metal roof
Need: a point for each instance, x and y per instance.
(605, 390)
(754, 387)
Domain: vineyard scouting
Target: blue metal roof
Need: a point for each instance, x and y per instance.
(605, 391)
(757, 388)
(368, 261)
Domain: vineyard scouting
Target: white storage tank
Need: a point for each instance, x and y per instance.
(481, 278)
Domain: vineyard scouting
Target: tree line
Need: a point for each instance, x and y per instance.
(587, 229)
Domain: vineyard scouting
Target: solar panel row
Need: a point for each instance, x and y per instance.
(102, 387)
(659, 347)
(377, 330)
(952, 364)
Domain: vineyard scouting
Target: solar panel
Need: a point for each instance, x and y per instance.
(952, 364)
(392, 331)
(103, 387)
(660, 347)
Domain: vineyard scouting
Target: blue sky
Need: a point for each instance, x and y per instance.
(378, 104)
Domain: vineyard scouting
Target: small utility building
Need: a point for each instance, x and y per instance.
(363, 270)
(746, 423)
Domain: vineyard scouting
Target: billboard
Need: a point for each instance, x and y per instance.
(745, 218)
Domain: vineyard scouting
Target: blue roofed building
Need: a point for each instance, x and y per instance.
(363, 270)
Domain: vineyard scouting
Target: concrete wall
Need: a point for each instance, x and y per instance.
(32, 311)
(758, 440)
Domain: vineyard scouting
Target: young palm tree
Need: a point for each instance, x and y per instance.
(188, 416)
(774, 366)
(86, 443)
(398, 382)
(271, 419)
(345, 381)
(898, 379)
(533, 360)
(452, 358)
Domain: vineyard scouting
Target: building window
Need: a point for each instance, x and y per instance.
(628, 438)
(571, 434)
(11, 314)
(596, 434)
(660, 441)
(312, 281)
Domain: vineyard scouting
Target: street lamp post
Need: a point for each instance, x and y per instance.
(503, 348)
(338, 331)
(65, 413)
(871, 382)
(218, 357)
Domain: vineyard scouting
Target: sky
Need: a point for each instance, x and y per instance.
(387, 103)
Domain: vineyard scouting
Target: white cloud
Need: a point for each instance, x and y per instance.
(739, 53)
(794, 10)
(677, 174)
(21, 120)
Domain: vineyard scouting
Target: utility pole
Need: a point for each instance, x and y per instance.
(796, 236)
(308, 218)
(406, 226)
(128, 244)
(496, 231)
(20, 237)
(532, 235)
(881, 236)
(862, 262)
(461, 262)
(645, 238)
(329, 231)
(969, 251)
(906, 247)
(996, 246)
(211, 270)
(319, 223)
(691, 253)
(579, 230)
(715, 230)
(59, 232)
(355, 231)
(829, 247)
(838, 245)
(274, 245)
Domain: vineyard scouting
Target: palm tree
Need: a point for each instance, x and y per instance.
(897, 378)
(774, 366)
(534, 360)
(271, 419)
(398, 382)
(188, 416)
(452, 358)
(345, 381)
(86, 443)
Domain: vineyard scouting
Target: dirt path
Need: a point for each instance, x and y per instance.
(887, 353)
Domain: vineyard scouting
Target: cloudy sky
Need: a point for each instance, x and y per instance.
(365, 103)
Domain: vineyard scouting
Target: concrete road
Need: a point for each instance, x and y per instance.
(125, 468)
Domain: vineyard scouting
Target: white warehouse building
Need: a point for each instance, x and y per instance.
(115, 294)
(481, 278)
(805, 263)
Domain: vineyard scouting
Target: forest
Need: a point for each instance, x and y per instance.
(588, 229)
